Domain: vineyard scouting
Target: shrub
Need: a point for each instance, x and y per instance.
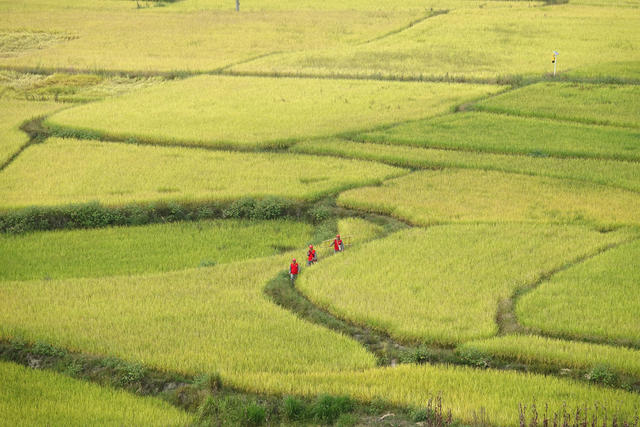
(602, 374)
(254, 415)
(327, 409)
(294, 409)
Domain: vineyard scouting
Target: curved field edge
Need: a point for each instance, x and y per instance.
(164, 321)
(146, 249)
(61, 172)
(289, 109)
(465, 391)
(596, 300)
(33, 397)
(532, 349)
(432, 287)
(476, 196)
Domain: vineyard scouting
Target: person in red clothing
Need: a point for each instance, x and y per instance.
(338, 246)
(312, 258)
(294, 268)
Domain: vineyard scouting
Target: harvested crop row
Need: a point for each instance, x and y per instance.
(62, 172)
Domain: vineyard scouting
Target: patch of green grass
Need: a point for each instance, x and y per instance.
(225, 111)
(468, 196)
(443, 284)
(493, 133)
(33, 397)
(627, 71)
(62, 172)
(554, 352)
(598, 299)
(214, 319)
(581, 102)
(608, 172)
(134, 250)
(12, 114)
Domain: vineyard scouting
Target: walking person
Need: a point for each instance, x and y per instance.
(294, 269)
(312, 258)
(338, 246)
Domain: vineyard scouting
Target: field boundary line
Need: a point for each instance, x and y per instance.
(431, 14)
(507, 319)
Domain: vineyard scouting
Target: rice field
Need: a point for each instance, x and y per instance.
(251, 112)
(495, 133)
(470, 196)
(615, 105)
(519, 189)
(555, 352)
(205, 320)
(443, 284)
(66, 171)
(119, 36)
(32, 397)
(12, 114)
(477, 40)
(621, 174)
(464, 390)
(145, 249)
(596, 300)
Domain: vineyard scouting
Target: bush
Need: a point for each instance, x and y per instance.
(602, 374)
(473, 357)
(269, 208)
(327, 409)
(254, 415)
(294, 409)
(318, 214)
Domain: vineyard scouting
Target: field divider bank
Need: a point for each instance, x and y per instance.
(506, 317)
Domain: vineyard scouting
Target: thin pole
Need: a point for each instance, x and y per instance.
(237, 5)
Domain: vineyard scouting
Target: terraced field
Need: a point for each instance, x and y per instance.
(162, 163)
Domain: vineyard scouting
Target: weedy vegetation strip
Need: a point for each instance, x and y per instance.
(555, 352)
(499, 133)
(145, 249)
(443, 284)
(596, 300)
(466, 391)
(32, 397)
(608, 172)
(587, 103)
(196, 321)
(459, 195)
(12, 114)
(182, 112)
(62, 171)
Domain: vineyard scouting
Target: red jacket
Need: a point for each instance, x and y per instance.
(293, 268)
(311, 254)
(336, 244)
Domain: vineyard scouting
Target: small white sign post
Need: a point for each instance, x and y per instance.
(555, 61)
(237, 5)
